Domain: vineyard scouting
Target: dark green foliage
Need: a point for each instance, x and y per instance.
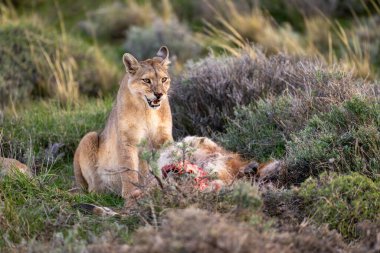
(342, 201)
(345, 139)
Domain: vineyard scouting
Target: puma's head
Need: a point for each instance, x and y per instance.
(149, 79)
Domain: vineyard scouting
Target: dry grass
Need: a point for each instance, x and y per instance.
(194, 230)
(323, 38)
(45, 63)
(66, 88)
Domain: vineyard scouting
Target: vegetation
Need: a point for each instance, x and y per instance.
(345, 139)
(27, 132)
(41, 209)
(143, 42)
(296, 81)
(37, 63)
(262, 123)
(310, 85)
(342, 201)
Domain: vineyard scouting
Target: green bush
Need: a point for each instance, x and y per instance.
(345, 139)
(342, 201)
(246, 196)
(261, 129)
(47, 123)
(38, 62)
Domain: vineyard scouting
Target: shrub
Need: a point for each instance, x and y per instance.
(205, 97)
(285, 205)
(342, 201)
(195, 11)
(261, 129)
(43, 124)
(241, 201)
(48, 64)
(345, 139)
(113, 20)
(195, 230)
(144, 42)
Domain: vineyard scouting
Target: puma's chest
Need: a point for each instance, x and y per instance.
(152, 124)
(143, 127)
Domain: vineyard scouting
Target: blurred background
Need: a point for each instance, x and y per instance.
(65, 49)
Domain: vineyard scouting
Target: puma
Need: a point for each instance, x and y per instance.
(109, 161)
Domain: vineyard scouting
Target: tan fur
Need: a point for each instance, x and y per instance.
(8, 165)
(206, 154)
(109, 161)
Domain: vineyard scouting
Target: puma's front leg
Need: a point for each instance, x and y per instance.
(164, 137)
(143, 172)
(129, 166)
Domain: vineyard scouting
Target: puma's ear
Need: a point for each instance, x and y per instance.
(163, 53)
(131, 64)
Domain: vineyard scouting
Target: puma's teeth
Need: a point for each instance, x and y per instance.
(153, 103)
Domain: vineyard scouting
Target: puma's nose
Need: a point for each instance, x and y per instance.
(158, 94)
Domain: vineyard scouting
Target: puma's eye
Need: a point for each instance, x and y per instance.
(146, 80)
(164, 79)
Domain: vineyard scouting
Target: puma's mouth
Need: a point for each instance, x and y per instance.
(153, 103)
